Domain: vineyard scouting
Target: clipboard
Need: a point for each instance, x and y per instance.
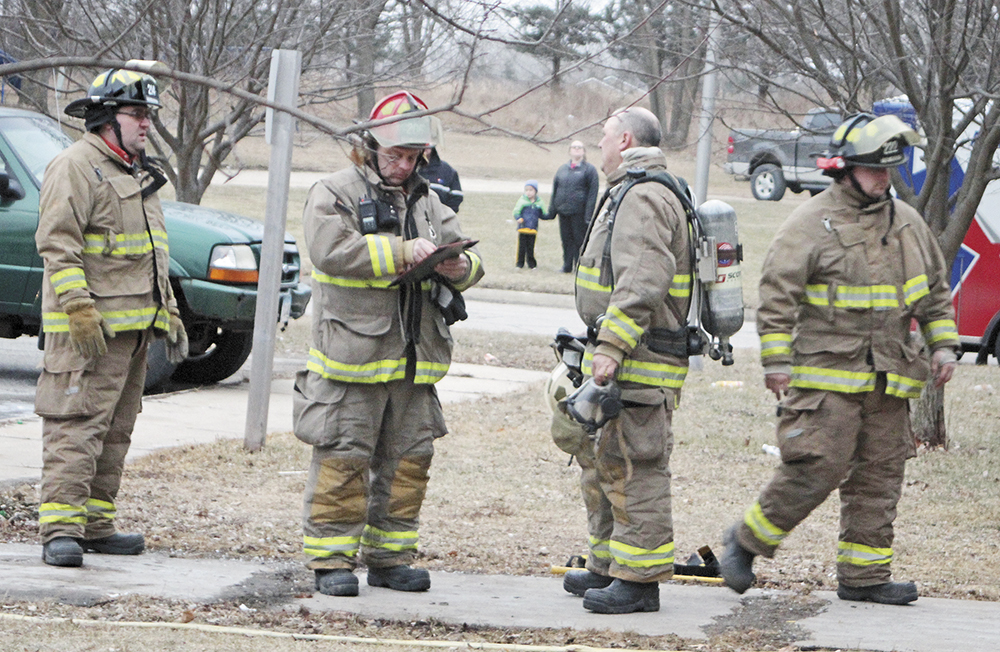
(425, 267)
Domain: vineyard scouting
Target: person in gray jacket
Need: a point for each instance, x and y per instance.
(574, 196)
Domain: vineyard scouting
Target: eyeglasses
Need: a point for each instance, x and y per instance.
(139, 114)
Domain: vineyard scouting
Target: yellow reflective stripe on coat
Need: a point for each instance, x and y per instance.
(879, 297)
(656, 374)
(942, 329)
(903, 387)
(62, 513)
(775, 344)
(834, 380)
(380, 250)
(600, 548)
(379, 371)
(330, 546)
(395, 541)
(100, 509)
(623, 326)
(817, 295)
(475, 262)
(916, 288)
(428, 373)
(68, 279)
(634, 557)
(122, 244)
(762, 528)
(680, 286)
(341, 281)
(859, 555)
(589, 278)
(118, 320)
(159, 239)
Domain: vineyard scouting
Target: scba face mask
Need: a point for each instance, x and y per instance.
(594, 405)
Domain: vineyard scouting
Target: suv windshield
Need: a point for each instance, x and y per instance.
(35, 141)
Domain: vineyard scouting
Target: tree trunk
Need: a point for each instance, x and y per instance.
(928, 418)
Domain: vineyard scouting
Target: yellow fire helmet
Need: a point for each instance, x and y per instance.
(866, 141)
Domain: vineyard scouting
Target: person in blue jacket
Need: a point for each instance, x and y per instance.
(527, 212)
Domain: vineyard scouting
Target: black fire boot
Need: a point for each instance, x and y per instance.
(888, 593)
(400, 578)
(337, 581)
(623, 597)
(578, 581)
(736, 563)
(116, 544)
(62, 551)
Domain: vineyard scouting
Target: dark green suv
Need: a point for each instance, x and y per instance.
(213, 261)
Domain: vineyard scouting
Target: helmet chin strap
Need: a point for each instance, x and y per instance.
(857, 186)
(117, 128)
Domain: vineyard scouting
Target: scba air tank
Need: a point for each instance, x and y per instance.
(719, 259)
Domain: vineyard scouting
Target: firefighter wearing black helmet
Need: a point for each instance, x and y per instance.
(846, 275)
(105, 294)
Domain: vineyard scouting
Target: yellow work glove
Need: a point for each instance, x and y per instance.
(87, 328)
(177, 341)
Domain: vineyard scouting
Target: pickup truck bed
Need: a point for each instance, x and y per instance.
(775, 160)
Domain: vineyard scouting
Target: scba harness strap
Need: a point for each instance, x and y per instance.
(677, 343)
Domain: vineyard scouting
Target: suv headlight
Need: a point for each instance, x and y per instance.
(232, 264)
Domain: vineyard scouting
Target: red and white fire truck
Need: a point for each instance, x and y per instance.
(975, 275)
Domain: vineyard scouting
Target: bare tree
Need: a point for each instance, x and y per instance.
(667, 43)
(556, 34)
(943, 55)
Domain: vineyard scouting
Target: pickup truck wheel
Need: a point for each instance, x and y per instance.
(158, 370)
(216, 354)
(767, 183)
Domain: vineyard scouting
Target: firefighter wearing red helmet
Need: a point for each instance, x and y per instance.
(846, 275)
(367, 402)
(105, 295)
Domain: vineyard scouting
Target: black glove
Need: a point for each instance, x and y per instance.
(449, 301)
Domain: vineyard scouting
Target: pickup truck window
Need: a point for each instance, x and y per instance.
(824, 121)
(35, 141)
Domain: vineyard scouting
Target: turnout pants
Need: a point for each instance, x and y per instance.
(372, 450)
(857, 442)
(626, 489)
(87, 421)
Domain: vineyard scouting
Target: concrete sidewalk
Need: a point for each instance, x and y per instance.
(691, 611)
(206, 414)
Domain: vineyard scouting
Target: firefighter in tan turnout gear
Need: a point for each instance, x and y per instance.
(105, 294)
(845, 277)
(367, 402)
(633, 288)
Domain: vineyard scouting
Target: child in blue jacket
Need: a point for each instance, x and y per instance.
(527, 212)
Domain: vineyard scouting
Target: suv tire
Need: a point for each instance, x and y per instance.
(767, 183)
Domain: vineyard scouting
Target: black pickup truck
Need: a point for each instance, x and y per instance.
(774, 160)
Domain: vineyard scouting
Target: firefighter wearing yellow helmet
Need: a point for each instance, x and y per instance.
(845, 277)
(105, 295)
(366, 402)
